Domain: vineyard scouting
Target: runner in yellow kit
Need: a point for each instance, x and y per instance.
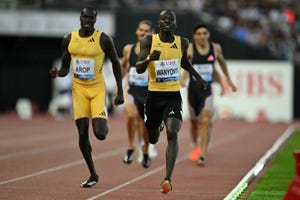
(85, 50)
(163, 54)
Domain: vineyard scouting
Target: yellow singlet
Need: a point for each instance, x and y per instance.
(164, 73)
(87, 58)
(88, 92)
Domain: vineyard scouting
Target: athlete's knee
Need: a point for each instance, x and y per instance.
(100, 128)
(101, 132)
(153, 140)
(206, 118)
(205, 121)
(172, 134)
(131, 120)
(153, 136)
(131, 110)
(172, 126)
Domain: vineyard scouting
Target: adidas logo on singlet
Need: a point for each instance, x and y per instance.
(174, 46)
(91, 40)
(102, 114)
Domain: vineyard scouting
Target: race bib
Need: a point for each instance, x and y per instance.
(166, 70)
(205, 71)
(138, 79)
(83, 68)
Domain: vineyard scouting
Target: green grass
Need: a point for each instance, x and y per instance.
(274, 183)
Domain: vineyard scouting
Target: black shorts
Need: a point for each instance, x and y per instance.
(197, 96)
(161, 105)
(140, 105)
(139, 95)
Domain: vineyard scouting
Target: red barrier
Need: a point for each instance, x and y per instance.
(293, 192)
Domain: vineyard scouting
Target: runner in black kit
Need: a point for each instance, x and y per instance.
(135, 99)
(202, 54)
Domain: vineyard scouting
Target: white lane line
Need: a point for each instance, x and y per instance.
(64, 166)
(128, 183)
(154, 171)
(47, 135)
(229, 137)
(252, 173)
(38, 150)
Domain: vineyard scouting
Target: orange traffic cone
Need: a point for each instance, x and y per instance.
(293, 192)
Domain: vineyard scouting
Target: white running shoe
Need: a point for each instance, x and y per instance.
(140, 155)
(152, 151)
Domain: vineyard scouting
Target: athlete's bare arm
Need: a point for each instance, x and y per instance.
(222, 63)
(66, 59)
(185, 63)
(185, 74)
(125, 59)
(143, 59)
(108, 47)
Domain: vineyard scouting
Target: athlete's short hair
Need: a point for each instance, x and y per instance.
(90, 8)
(199, 25)
(147, 22)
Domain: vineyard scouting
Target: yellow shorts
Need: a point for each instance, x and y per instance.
(89, 101)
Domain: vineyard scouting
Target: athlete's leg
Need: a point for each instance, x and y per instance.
(131, 129)
(194, 130)
(153, 135)
(131, 123)
(84, 143)
(143, 131)
(141, 141)
(205, 130)
(100, 128)
(146, 161)
(172, 126)
(153, 117)
(82, 110)
(194, 110)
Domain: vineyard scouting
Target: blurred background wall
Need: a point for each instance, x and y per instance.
(31, 33)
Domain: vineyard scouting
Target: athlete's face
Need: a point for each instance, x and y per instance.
(142, 30)
(201, 36)
(167, 21)
(88, 19)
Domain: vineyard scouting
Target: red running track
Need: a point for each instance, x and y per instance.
(40, 159)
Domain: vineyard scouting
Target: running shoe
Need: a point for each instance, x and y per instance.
(146, 161)
(90, 182)
(139, 158)
(201, 161)
(195, 154)
(165, 187)
(128, 158)
(152, 151)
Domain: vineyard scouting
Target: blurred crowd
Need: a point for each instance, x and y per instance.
(274, 24)
(271, 23)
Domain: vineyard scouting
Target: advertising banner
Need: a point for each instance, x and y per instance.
(265, 91)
